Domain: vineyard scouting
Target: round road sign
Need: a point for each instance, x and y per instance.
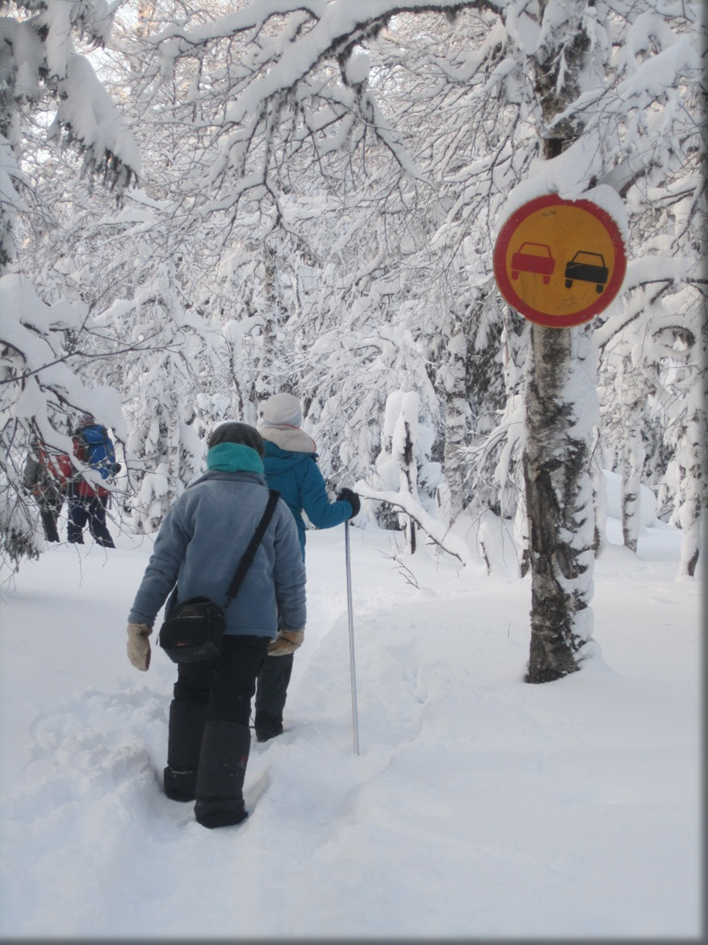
(559, 262)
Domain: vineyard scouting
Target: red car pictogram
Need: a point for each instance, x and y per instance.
(533, 257)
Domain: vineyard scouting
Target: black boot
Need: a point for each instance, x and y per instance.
(271, 694)
(184, 743)
(180, 785)
(222, 770)
(267, 726)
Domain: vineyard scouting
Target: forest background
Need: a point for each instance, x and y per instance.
(205, 204)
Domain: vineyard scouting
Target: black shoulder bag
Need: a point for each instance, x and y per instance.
(193, 630)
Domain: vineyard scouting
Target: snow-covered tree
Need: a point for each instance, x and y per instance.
(403, 455)
(160, 375)
(326, 183)
(39, 66)
(662, 323)
(44, 77)
(40, 395)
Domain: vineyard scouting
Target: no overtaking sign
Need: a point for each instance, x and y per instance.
(559, 262)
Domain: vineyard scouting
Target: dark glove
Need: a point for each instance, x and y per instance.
(352, 498)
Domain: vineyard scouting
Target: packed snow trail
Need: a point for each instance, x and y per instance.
(478, 805)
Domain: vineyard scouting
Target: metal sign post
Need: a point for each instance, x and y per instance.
(355, 719)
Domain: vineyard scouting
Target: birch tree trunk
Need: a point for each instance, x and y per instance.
(691, 458)
(456, 422)
(558, 487)
(632, 462)
(558, 484)
(405, 435)
(409, 482)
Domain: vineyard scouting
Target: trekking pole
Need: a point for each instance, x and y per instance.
(355, 720)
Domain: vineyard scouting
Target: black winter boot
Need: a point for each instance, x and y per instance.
(222, 770)
(267, 726)
(184, 743)
(180, 785)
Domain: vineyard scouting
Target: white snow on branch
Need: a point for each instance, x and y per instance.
(26, 326)
(92, 118)
(438, 531)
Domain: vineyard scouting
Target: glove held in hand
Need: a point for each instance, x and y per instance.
(352, 498)
(286, 642)
(139, 645)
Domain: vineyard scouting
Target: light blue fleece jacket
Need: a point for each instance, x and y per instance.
(202, 539)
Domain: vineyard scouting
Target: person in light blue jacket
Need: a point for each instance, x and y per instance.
(291, 467)
(196, 552)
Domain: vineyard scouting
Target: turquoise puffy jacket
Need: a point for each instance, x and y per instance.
(298, 479)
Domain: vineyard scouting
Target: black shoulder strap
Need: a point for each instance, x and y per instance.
(250, 552)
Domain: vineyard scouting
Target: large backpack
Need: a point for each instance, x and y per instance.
(56, 466)
(97, 449)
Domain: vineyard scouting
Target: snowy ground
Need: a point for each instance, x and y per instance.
(478, 805)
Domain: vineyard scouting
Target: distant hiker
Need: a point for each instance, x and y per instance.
(291, 468)
(46, 476)
(198, 547)
(87, 499)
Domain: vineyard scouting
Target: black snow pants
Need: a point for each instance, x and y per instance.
(89, 510)
(209, 736)
(49, 508)
(272, 689)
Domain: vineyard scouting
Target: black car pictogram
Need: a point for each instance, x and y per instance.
(584, 267)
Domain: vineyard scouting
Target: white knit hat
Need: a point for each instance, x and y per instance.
(282, 410)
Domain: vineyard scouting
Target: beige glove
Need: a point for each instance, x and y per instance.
(286, 642)
(139, 645)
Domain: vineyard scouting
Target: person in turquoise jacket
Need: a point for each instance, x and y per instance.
(290, 465)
